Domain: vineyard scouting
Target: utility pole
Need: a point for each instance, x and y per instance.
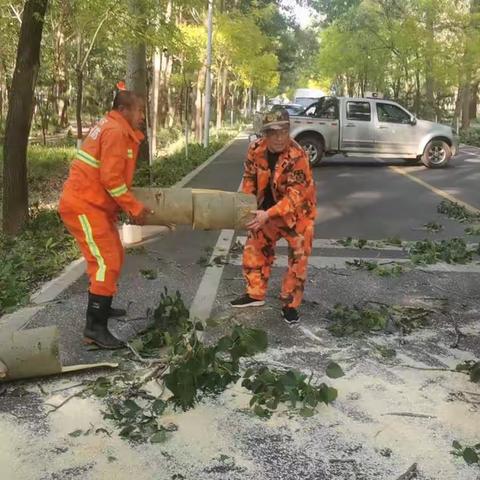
(208, 77)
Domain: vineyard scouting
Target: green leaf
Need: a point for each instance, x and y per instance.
(261, 412)
(75, 433)
(149, 274)
(327, 394)
(158, 437)
(181, 383)
(334, 370)
(475, 373)
(127, 431)
(456, 445)
(307, 412)
(158, 406)
(224, 344)
(470, 456)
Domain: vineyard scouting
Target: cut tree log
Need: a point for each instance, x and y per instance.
(169, 205)
(201, 208)
(34, 353)
(217, 210)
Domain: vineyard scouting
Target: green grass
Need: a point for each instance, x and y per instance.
(471, 136)
(47, 170)
(36, 255)
(168, 170)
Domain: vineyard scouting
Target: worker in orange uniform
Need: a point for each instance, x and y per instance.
(277, 171)
(97, 188)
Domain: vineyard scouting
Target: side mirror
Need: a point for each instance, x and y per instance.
(252, 137)
(413, 120)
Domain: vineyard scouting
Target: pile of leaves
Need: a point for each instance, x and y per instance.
(471, 368)
(457, 212)
(134, 411)
(191, 370)
(38, 253)
(197, 369)
(381, 269)
(428, 252)
(272, 387)
(471, 455)
(433, 227)
(371, 317)
(375, 244)
(473, 230)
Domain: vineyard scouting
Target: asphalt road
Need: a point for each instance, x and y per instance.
(386, 418)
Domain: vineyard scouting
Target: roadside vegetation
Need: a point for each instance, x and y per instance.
(43, 248)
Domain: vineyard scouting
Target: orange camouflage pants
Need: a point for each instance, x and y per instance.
(259, 254)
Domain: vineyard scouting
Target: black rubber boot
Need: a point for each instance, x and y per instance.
(117, 312)
(96, 330)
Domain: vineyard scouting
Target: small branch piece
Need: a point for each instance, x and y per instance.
(410, 474)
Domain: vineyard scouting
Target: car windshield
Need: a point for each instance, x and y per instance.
(305, 101)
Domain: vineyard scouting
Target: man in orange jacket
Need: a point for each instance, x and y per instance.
(277, 171)
(97, 188)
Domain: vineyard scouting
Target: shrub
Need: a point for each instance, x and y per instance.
(37, 254)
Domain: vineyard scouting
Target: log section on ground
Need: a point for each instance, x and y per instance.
(34, 353)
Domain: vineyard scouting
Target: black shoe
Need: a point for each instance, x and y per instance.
(117, 312)
(290, 315)
(246, 301)
(96, 330)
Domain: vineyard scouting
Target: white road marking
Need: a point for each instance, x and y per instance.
(332, 243)
(202, 304)
(340, 263)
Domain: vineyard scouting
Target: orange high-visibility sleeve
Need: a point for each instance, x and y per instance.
(113, 159)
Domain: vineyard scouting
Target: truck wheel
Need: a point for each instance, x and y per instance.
(314, 148)
(437, 154)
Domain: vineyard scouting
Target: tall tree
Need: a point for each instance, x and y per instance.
(19, 117)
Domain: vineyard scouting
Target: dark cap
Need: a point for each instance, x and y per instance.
(276, 120)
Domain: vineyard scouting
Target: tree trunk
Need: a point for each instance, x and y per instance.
(199, 104)
(157, 56)
(466, 100)
(136, 80)
(474, 100)
(78, 110)
(218, 107)
(3, 89)
(429, 112)
(458, 108)
(19, 117)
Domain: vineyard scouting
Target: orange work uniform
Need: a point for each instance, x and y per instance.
(97, 188)
(291, 217)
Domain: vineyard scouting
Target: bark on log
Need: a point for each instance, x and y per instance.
(217, 210)
(170, 205)
(202, 209)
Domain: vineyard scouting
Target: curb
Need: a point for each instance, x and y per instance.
(72, 272)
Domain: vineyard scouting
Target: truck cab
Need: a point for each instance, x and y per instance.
(371, 127)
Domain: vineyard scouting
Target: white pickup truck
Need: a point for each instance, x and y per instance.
(370, 127)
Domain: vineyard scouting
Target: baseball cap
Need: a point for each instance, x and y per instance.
(275, 120)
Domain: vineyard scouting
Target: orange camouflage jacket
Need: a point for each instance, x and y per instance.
(293, 187)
